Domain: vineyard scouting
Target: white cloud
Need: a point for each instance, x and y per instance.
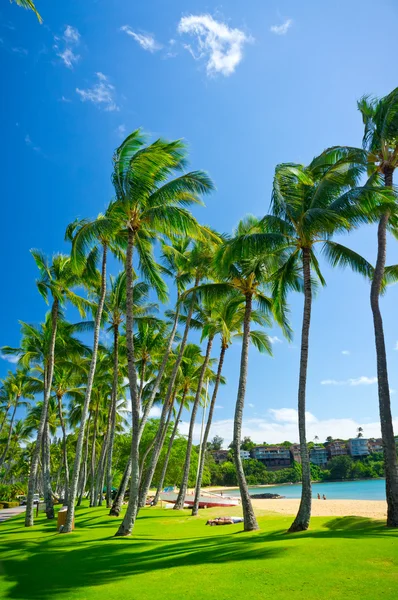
(396, 346)
(68, 57)
(121, 130)
(282, 29)
(145, 40)
(19, 50)
(10, 358)
(346, 352)
(273, 431)
(250, 405)
(64, 99)
(220, 45)
(101, 93)
(353, 382)
(29, 143)
(218, 406)
(71, 35)
(274, 339)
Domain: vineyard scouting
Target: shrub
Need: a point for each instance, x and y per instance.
(6, 504)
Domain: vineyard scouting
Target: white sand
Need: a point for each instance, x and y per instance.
(374, 509)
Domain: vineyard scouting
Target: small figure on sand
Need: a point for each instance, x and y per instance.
(324, 497)
(319, 496)
(224, 521)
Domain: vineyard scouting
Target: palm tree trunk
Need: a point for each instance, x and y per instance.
(128, 522)
(179, 503)
(158, 443)
(387, 430)
(3, 457)
(99, 480)
(168, 453)
(250, 522)
(118, 501)
(43, 418)
(64, 450)
(145, 456)
(302, 520)
(48, 493)
(113, 417)
(83, 466)
(93, 456)
(195, 507)
(4, 420)
(142, 377)
(80, 439)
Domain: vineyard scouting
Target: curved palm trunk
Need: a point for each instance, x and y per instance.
(179, 503)
(250, 522)
(142, 498)
(83, 466)
(128, 522)
(93, 457)
(99, 480)
(118, 501)
(3, 457)
(387, 430)
(158, 443)
(43, 418)
(64, 450)
(168, 453)
(303, 516)
(48, 493)
(113, 415)
(145, 456)
(195, 507)
(83, 422)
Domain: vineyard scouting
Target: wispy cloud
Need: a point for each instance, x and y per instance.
(30, 144)
(282, 29)
(250, 405)
(274, 339)
(19, 50)
(353, 382)
(121, 130)
(220, 45)
(346, 352)
(10, 358)
(71, 35)
(145, 40)
(101, 93)
(218, 406)
(70, 39)
(64, 99)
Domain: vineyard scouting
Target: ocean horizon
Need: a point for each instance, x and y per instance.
(364, 489)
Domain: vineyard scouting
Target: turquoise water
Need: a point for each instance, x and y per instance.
(372, 489)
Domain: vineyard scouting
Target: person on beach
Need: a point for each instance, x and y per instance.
(319, 496)
(324, 497)
(224, 521)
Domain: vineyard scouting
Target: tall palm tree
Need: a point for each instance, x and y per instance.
(89, 238)
(149, 204)
(57, 280)
(380, 117)
(309, 205)
(226, 318)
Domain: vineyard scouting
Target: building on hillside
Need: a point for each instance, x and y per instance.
(220, 456)
(319, 456)
(358, 447)
(336, 448)
(273, 457)
(375, 445)
(245, 454)
(295, 453)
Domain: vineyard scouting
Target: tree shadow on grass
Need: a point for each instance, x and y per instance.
(56, 568)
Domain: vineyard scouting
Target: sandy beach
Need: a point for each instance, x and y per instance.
(374, 509)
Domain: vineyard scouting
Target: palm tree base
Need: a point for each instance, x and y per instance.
(295, 527)
(114, 512)
(122, 532)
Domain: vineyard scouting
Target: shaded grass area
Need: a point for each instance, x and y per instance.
(172, 553)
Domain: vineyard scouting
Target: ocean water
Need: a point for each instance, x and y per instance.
(372, 489)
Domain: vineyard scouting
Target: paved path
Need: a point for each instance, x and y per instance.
(7, 513)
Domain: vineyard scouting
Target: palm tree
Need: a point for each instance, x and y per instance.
(19, 388)
(149, 205)
(309, 205)
(89, 238)
(226, 318)
(28, 4)
(380, 117)
(56, 280)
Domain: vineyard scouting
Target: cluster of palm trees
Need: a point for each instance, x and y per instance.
(221, 285)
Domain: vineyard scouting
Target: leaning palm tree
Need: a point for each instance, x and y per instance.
(309, 205)
(149, 204)
(380, 117)
(226, 318)
(19, 387)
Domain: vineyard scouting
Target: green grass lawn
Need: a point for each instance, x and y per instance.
(173, 555)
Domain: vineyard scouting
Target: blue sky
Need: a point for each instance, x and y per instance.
(248, 85)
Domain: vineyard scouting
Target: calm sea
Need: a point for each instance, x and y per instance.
(372, 489)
